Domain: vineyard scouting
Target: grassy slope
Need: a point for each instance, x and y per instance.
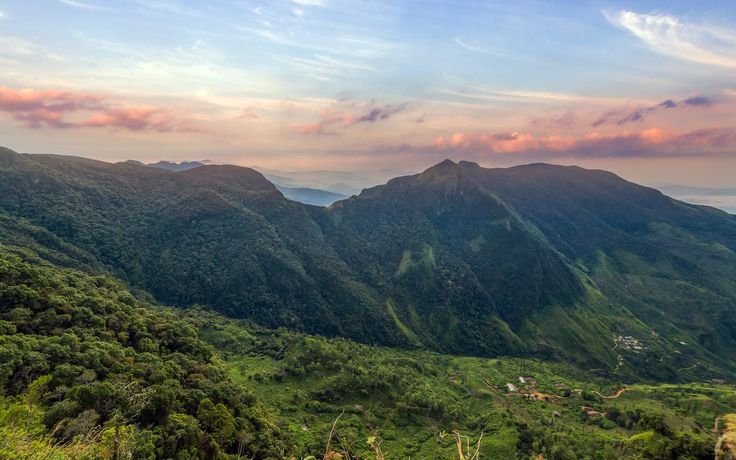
(412, 401)
(409, 398)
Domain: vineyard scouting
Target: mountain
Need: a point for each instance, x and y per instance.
(173, 166)
(91, 369)
(537, 260)
(311, 196)
(304, 195)
(453, 260)
(221, 236)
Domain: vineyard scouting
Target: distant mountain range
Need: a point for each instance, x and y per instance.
(322, 188)
(310, 195)
(535, 260)
(304, 195)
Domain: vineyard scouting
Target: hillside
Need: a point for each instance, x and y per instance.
(539, 260)
(221, 236)
(85, 360)
(92, 371)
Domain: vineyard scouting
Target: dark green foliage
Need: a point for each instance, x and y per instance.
(220, 236)
(536, 260)
(408, 399)
(93, 355)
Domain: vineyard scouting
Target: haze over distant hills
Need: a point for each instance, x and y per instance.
(301, 194)
(322, 188)
(722, 197)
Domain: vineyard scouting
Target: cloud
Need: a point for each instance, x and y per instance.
(638, 115)
(2, 14)
(24, 100)
(138, 119)
(10, 45)
(166, 6)
(341, 116)
(310, 2)
(605, 118)
(632, 117)
(68, 110)
(668, 35)
(502, 142)
(646, 143)
(698, 101)
(15, 45)
(483, 94)
(381, 113)
(469, 47)
(566, 119)
(85, 6)
(324, 67)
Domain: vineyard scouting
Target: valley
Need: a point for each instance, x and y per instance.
(523, 312)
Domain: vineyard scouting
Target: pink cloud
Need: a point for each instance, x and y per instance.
(138, 119)
(648, 142)
(504, 143)
(26, 100)
(62, 110)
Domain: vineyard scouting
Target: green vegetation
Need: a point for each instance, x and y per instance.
(510, 313)
(82, 361)
(726, 445)
(539, 260)
(413, 401)
(89, 370)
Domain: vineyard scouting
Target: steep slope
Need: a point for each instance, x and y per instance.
(539, 260)
(519, 243)
(458, 266)
(673, 264)
(222, 236)
(93, 363)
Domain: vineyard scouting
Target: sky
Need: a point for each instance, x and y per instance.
(646, 89)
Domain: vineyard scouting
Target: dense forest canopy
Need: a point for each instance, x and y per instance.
(566, 284)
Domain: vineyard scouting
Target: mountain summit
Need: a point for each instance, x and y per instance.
(537, 260)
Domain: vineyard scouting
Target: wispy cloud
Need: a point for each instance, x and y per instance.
(346, 114)
(324, 67)
(15, 45)
(668, 35)
(168, 7)
(698, 101)
(528, 96)
(138, 119)
(469, 47)
(310, 2)
(85, 6)
(20, 47)
(652, 142)
(622, 117)
(2, 14)
(69, 109)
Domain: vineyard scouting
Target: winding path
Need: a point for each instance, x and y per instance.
(618, 393)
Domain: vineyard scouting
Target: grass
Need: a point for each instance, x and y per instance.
(412, 401)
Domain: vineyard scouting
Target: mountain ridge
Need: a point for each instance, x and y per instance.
(528, 261)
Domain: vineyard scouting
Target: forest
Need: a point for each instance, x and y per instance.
(90, 370)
